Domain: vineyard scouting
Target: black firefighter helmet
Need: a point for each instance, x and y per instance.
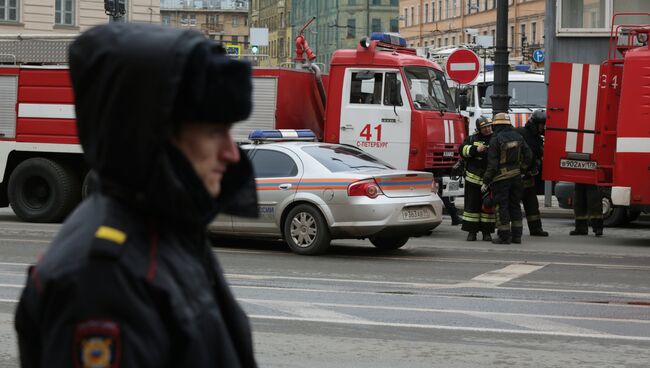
(538, 117)
(482, 122)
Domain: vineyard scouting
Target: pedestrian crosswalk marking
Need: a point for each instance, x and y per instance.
(508, 273)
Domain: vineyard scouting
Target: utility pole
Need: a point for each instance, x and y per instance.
(500, 98)
(368, 18)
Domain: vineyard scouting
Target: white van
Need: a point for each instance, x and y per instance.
(526, 89)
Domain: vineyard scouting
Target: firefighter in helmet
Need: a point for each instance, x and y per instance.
(474, 151)
(533, 134)
(508, 157)
(587, 207)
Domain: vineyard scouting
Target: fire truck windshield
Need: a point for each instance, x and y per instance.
(428, 89)
(526, 94)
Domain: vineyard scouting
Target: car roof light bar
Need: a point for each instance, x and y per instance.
(259, 136)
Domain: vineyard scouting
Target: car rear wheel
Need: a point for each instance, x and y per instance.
(388, 243)
(306, 231)
(42, 190)
(613, 216)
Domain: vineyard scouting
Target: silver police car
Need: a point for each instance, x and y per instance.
(310, 193)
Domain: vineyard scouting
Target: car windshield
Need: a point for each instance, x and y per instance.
(522, 94)
(428, 89)
(344, 158)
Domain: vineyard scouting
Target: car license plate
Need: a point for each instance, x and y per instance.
(453, 185)
(448, 154)
(577, 164)
(414, 214)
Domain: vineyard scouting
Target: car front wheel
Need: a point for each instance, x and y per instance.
(306, 231)
(388, 243)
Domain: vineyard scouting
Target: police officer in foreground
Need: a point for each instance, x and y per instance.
(587, 207)
(474, 151)
(533, 134)
(131, 280)
(508, 157)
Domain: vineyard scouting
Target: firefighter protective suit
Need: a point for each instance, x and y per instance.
(532, 134)
(476, 217)
(508, 157)
(587, 207)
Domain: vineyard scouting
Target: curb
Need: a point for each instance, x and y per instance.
(547, 212)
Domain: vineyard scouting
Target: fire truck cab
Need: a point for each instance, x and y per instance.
(598, 123)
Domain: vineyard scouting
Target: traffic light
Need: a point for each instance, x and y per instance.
(254, 49)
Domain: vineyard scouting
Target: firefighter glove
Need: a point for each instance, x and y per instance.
(484, 188)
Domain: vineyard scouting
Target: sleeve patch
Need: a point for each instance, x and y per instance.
(111, 234)
(97, 344)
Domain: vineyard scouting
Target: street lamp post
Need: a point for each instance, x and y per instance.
(500, 97)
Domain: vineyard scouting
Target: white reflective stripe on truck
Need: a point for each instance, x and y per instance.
(632, 145)
(47, 111)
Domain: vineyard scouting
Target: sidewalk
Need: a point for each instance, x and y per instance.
(549, 212)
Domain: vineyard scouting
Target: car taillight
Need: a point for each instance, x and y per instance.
(368, 188)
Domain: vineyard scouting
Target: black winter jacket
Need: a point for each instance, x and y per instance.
(131, 280)
(475, 161)
(534, 140)
(508, 155)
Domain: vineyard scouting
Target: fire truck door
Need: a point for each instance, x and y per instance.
(571, 123)
(369, 121)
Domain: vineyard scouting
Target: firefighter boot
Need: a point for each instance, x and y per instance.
(538, 232)
(597, 225)
(471, 236)
(516, 234)
(503, 237)
(487, 236)
(582, 228)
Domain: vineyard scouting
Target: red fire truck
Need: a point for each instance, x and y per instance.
(381, 97)
(363, 102)
(598, 126)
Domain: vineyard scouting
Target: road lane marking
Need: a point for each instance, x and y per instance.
(480, 314)
(539, 323)
(453, 328)
(407, 258)
(303, 310)
(26, 240)
(508, 273)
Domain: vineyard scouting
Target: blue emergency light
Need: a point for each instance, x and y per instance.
(390, 38)
(282, 135)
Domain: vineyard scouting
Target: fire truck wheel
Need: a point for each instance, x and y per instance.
(613, 216)
(42, 190)
(388, 243)
(306, 231)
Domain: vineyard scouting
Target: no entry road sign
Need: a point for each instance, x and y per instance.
(463, 66)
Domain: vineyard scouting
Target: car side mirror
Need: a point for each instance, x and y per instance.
(461, 98)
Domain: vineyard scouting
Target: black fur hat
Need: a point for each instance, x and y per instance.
(215, 88)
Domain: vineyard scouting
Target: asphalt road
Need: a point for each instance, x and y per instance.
(438, 302)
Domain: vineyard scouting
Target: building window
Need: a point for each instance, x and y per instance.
(376, 2)
(594, 17)
(454, 8)
(406, 17)
(235, 21)
(63, 12)
(166, 20)
(446, 9)
(446, 41)
(9, 10)
(453, 41)
(352, 2)
(394, 25)
(376, 25)
(485, 5)
(433, 11)
(412, 16)
(235, 39)
(352, 28)
(394, 2)
(426, 13)
(533, 33)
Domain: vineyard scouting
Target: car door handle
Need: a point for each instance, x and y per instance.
(346, 127)
(284, 186)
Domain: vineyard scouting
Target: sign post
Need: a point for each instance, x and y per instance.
(463, 66)
(538, 56)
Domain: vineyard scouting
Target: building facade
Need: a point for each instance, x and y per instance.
(440, 23)
(225, 21)
(340, 24)
(577, 31)
(66, 16)
(275, 15)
